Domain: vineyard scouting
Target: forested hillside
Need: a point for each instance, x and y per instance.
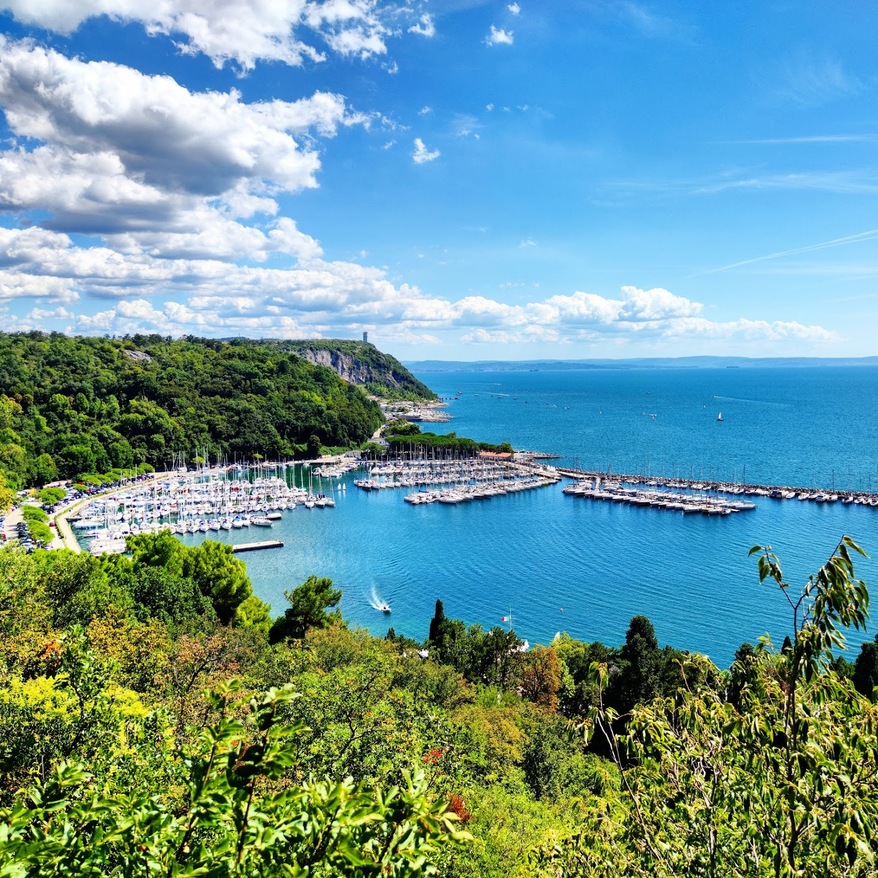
(154, 720)
(86, 405)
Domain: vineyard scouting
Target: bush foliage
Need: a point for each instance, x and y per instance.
(154, 721)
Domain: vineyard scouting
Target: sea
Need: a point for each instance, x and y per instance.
(544, 563)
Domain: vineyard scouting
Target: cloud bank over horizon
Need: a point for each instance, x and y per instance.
(135, 201)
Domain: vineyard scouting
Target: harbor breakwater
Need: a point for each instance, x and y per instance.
(774, 492)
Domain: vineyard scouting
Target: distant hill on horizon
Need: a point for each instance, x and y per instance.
(701, 362)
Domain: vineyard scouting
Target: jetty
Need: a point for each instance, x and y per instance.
(674, 501)
(457, 480)
(253, 547)
(589, 479)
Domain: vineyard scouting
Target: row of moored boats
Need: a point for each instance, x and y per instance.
(616, 492)
(465, 493)
(190, 504)
(774, 492)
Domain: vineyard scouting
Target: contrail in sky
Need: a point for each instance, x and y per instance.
(824, 245)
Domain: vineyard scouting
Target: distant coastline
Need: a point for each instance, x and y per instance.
(702, 362)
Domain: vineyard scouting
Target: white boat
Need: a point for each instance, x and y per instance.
(385, 608)
(259, 521)
(719, 417)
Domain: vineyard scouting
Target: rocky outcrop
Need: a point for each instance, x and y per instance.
(362, 364)
(351, 369)
(138, 356)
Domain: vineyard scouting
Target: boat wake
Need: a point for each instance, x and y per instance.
(377, 602)
(766, 402)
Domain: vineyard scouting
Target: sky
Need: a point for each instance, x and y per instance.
(461, 179)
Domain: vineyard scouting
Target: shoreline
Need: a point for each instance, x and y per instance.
(66, 538)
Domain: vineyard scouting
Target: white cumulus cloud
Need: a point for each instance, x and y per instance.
(421, 155)
(424, 27)
(498, 37)
(239, 32)
(102, 149)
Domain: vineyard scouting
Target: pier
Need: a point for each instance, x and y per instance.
(445, 474)
(675, 501)
(253, 547)
(774, 492)
(457, 480)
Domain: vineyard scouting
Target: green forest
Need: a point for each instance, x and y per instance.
(72, 405)
(155, 719)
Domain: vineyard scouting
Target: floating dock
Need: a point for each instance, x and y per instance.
(253, 547)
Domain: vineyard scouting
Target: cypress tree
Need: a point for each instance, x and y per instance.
(436, 622)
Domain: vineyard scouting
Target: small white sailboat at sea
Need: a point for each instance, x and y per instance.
(719, 417)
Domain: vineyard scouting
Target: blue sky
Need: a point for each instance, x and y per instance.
(461, 179)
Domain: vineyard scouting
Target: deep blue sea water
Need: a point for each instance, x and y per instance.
(561, 563)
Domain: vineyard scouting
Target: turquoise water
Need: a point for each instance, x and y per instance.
(565, 564)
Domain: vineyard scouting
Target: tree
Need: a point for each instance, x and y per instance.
(452, 644)
(436, 622)
(43, 470)
(253, 613)
(494, 656)
(7, 495)
(77, 458)
(639, 677)
(313, 446)
(866, 669)
(172, 599)
(579, 693)
(158, 550)
(743, 674)
(13, 464)
(402, 428)
(51, 496)
(77, 588)
(220, 575)
(121, 453)
(212, 566)
(541, 678)
(309, 603)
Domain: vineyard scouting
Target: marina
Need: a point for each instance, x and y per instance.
(230, 499)
(563, 565)
(209, 501)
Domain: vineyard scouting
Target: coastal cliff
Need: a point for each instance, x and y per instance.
(362, 364)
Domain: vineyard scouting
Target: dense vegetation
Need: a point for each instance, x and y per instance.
(406, 438)
(125, 749)
(87, 405)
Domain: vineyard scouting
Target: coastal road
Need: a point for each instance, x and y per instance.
(63, 536)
